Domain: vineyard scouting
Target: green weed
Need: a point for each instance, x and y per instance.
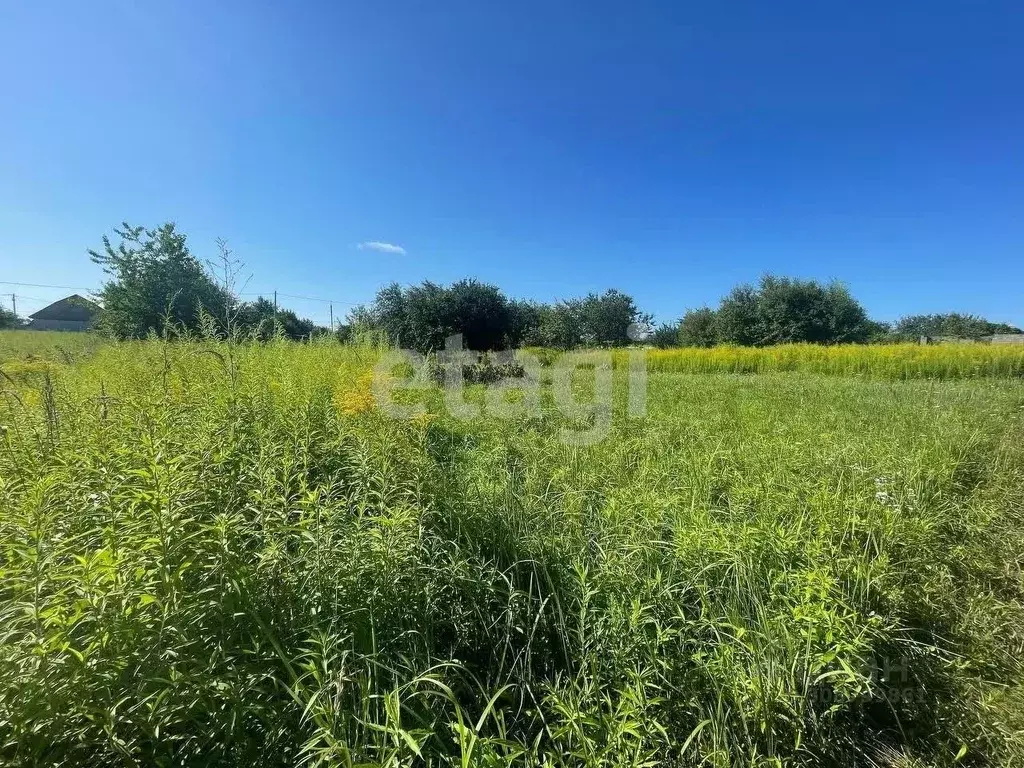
(216, 554)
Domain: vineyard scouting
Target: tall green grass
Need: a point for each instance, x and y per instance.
(59, 346)
(219, 554)
(889, 361)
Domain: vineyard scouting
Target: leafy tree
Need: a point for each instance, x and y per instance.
(664, 336)
(155, 279)
(736, 320)
(606, 319)
(609, 318)
(260, 320)
(390, 313)
(429, 316)
(423, 316)
(483, 315)
(360, 317)
(559, 325)
(524, 320)
(878, 332)
(8, 319)
(698, 328)
(783, 310)
(845, 319)
(1003, 328)
(955, 324)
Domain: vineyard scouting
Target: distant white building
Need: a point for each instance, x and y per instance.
(73, 313)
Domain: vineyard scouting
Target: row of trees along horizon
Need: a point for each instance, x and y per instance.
(157, 285)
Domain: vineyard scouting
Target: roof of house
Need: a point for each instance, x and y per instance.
(73, 307)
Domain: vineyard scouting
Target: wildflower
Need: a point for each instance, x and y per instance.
(360, 398)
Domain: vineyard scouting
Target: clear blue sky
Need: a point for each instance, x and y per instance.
(668, 149)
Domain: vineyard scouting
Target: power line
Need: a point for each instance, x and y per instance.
(43, 285)
(325, 301)
(247, 293)
(30, 298)
(21, 298)
(304, 298)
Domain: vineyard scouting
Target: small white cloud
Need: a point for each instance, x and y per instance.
(379, 247)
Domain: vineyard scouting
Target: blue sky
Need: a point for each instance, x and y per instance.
(667, 149)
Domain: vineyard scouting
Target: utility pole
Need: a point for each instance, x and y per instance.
(14, 304)
(275, 306)
(331, 305)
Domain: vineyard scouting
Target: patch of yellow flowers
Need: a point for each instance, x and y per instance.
(357, 398)
(894, 361)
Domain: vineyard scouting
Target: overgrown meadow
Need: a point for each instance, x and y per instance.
(227, 554)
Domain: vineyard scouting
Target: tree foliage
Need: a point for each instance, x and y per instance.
(782, 310)
(258, 319)
(612, 319)
(955, 324)
(664, 336)
(558, 325)
(8, 319)
(423, 316)
(698, 328)
(154, 280)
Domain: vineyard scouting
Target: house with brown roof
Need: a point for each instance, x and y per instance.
(73, 313)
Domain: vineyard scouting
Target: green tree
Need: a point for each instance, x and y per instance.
(664, 336)
(558, 326)
(260, 320)
(423, 316)
(360, 327)
(8, 319)
(524, 320)
(1003, 328)
(155, 279)
(483, 315)
(782, 310)
(612, 319)
(964, 326)
(736, 320)
(879, 332)
(390, 313)
(698, 328)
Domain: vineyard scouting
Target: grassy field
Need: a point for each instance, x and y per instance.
(47, 345)
(226, 555)
(889, 361)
